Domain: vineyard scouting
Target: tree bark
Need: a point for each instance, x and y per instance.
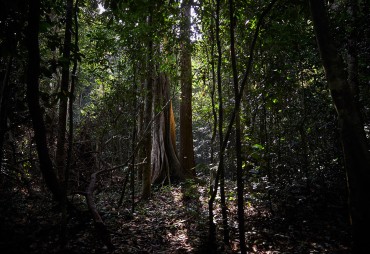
(71, 96)
(134, 133)
(166, 166)
(32, 93)
(186, 130)
(4, 96)
(147, 142)
(352, 59)
(70, 128)
(354, 142)
(220, 176)
(100, 227)
(238, 145)
(60, 158)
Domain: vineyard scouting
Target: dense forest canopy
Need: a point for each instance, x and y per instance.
(184, 126)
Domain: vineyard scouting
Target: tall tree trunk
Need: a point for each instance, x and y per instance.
(225, 223)
(214, 112)
(213, 91)
(4, 96)
(134, 133)
(147, 141)
(352, 59)
(220, 175)
(238, 145)
(70, 128)
(166, 166)
(140, 131)
(71, 96)
(186, 130)
(213, 181)
(354, 142)
(33, 73)
(60, 158)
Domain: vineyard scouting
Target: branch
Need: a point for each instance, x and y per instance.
(100, 227)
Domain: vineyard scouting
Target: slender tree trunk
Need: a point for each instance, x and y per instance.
(238, 145)
(186, 130)
(147, 142)
(210, 59)
(220, 130)
(71, 96)
(354, 142)
(134, 132)
(60, 158)
(214, 114)
(33, 73)
(70, 129)
(352, 59)
(213, 90)
(214, 176)
(4, 95)
(220, 175)
(140, 131)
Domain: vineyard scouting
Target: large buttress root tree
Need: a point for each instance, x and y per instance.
(166, 166)
(354, 142)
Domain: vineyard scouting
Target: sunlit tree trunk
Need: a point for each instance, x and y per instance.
(166, 166)
(354, 142)
(186, 130)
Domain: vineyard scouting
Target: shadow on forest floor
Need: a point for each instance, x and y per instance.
(174, 220)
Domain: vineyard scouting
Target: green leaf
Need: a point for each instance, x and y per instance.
(258, 146)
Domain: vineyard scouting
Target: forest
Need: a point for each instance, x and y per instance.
(184, 126)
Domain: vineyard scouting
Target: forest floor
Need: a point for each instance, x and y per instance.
(174, 220)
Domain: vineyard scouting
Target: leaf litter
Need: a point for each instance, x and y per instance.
(174, 220)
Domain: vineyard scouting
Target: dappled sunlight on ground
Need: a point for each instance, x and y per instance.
(164, 224)
(174, 220)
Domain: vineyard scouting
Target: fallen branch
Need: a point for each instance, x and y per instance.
(101, 229)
